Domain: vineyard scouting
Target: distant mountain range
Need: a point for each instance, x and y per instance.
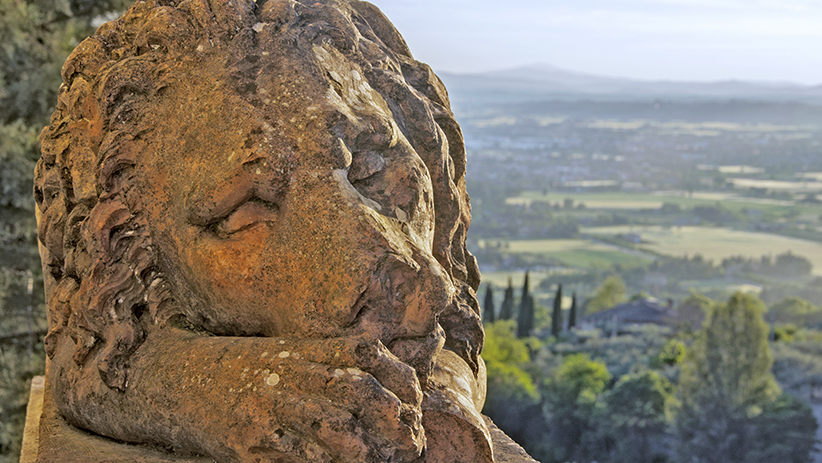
(546, 82)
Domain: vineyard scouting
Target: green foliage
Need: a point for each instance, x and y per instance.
(672, 353)
(670, 208)
(512, 400)
(526, 286)
(15, 376)
(577, 382)
(504, 356)
(786, 265)
(617, 399)
(785, 333)
(785, 431)
(36, 36)
(642, 401)
(634, 350)
(610, 293)
(526, 292)
(729, 364)
(506, 312)
(20, 311)
(18, 230)
(556, 315)
(789, 265)
(488, 315)
(798, 366)
(726, 381)
(640, 408)
(573, 408)
(797, 311)
(18, 154)
(715, 213)
(695, 309)
(525, 318)
(572, 313)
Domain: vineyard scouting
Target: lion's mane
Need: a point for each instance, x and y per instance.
(103, 281)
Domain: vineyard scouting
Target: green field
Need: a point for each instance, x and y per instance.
(654, 200)
(798, 187)
(573, 253)
(716, 243)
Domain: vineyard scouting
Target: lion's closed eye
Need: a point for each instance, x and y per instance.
(247, 215)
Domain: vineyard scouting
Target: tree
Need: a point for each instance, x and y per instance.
(797, 311)
(640, 407)
(572, 314)
(503, 351)
(488, 306)
(572, 407)
(784, 431)
(556, 315)
(789, 265)
(37, 37)
(512, 400)
(610, 293)
(506, 311)
(525, 318)
(671, 354)
(694, 309)
(525, 291)
(725, 382)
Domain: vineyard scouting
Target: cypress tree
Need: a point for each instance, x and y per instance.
(506, 312)
(572, 314)
(525, 292)
(525, 318)
(523, 301)
(556, 316)
(488, 314)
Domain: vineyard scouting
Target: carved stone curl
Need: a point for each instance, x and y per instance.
(252, 219)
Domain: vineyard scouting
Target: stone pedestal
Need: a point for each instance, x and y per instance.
(31, 433)
(48, 438)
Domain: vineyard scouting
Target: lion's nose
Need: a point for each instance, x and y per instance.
(426, 298)
(405, 296)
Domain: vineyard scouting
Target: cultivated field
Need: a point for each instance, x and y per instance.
(655, 200)
(573, 253)
(716, 243)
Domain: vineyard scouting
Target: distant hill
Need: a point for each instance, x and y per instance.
(546, 82)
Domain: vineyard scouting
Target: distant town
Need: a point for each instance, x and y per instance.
(648, 261)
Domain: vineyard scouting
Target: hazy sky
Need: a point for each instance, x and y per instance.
(775, 40)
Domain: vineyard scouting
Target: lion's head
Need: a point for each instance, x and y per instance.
(111, 267)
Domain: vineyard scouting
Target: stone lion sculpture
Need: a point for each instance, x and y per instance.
(252, 219)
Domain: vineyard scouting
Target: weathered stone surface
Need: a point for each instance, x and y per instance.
(68, 444)
(65, 443)
(31, 432)
(505, 449)
(252, 219)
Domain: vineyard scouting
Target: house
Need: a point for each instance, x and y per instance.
(641, 311)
